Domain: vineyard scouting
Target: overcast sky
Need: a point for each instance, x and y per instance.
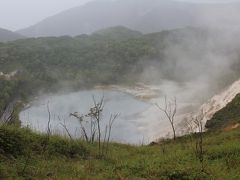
(18, 14)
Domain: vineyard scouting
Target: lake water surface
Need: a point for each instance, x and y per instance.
(127, 128)
(138, 121)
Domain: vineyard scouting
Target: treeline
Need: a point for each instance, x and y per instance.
(7, 93)
(86, 60)
(49, 63)
(112, 56)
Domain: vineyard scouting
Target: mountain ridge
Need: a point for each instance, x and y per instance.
(145, 16)
(7, 35)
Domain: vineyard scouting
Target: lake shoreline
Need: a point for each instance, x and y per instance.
(140, 91)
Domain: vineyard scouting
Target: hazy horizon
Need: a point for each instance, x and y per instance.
(15, 15)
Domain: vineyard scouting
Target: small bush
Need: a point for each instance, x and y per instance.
(66, 147)
(11, 142)
(20, 141)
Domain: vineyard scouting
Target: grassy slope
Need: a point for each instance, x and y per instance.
(226, 116)
(65, 159)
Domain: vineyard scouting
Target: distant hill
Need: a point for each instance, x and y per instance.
(118, 32)
(120, 55)
(146, 16)
(6, 35)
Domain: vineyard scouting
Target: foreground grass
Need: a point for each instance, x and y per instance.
(27, 155)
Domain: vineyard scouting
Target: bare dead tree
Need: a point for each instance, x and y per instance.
(170, 110)
(65, 127)
(7, 115)
(83, 129)
(199, 150)
(195, 126)
(45, 144)
(93, 130)
(95, 113)
(49, 121)
(104, 139)
(109, 130)
(95, 116)
(9, 119)
(48, 129)
(189, 128)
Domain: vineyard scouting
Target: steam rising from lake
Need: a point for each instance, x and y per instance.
(193, 64)
(193, 67)
(127, 128)
(139, 122)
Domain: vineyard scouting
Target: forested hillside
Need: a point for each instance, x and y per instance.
(115, 56)
(84, 59)
(228, 116)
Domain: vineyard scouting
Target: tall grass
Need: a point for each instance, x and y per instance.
(66, 159)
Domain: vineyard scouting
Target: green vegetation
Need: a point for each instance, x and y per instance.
(84, 60)
(118, 32)
(111, 56)
(27, 155)
(229, 115)
(47, 64)
(10, 93)
(115, 56)
(7, 93)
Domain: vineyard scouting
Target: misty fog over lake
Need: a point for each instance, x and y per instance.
(183, 49)
(120, 89)
(139, 119)
(125, 129)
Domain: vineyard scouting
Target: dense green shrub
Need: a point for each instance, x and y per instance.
(66, 159)
(12, 142)
(65, 147)
(18, 141)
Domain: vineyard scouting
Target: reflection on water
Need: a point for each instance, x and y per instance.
(127, 128)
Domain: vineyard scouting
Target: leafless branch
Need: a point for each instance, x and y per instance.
(169, 110)
(65, 127)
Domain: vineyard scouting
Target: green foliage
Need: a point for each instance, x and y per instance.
(12, 142)
(91, 59)
(46, 64)
(17, 141)
(66, 159)
(226, 116)
(65, 147)
(7, 93)
(118, 33)
(112, 56)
